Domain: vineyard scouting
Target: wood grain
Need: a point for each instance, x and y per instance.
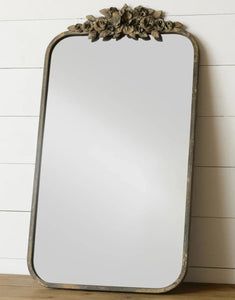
(13, 287)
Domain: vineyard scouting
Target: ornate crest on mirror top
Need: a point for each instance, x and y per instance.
(135, 23)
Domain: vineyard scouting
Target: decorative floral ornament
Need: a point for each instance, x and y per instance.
(139, 22)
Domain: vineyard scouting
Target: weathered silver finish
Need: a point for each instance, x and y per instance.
(70, 33)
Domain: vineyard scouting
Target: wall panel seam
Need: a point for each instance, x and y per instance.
(83, 17)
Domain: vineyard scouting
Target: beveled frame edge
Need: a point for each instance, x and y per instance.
(33, 218)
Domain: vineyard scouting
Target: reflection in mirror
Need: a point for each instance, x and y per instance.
(111, 208)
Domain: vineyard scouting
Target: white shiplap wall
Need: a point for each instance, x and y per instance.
(26, 27)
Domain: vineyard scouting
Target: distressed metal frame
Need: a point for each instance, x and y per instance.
(33, 221)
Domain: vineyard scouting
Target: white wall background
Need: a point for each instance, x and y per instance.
(26, 27)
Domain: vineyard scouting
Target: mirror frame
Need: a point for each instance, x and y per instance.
(53, 43)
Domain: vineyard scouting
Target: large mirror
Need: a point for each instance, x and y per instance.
(112, 185)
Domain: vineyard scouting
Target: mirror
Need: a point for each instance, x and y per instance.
(114, 163)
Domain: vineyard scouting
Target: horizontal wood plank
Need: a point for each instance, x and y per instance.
(18, 139)
(214, 39)
(13, 266)
(16, 280)
(24, 42)
(215, 143)
(216, 91)
(14, 228)
(213, 192)
(26, 9)
(211, 275)
(16, 182)
(20, 91)
(31, 38)
(211, 243)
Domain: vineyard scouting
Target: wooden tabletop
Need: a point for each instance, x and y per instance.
(20, 287)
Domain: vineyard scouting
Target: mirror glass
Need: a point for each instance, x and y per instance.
(112, 192)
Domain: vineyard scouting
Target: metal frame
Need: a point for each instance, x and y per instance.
(32, 270)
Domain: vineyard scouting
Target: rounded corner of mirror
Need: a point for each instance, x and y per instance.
(33, 272)
(180, 277)
(176, 282)
(165, 289)
(52, 44)
(194, 43)
(56, 40)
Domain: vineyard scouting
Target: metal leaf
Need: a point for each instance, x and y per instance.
(146, 38)
(107, 38)
(119, 36)
(93, 35)
(91, 18)
(155, 34)
(168, 26)
(72, 28)
(105, 12)
(105, 33)
(144, 35)
(178, 25)
(116, 18)
(157, 14)
(133, 35)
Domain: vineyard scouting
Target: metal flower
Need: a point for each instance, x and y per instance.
(148, 23)
(139, 22)
(100, 24)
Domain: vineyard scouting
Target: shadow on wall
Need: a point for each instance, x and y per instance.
(210, 246)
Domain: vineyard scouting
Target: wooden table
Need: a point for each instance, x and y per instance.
(19, 287)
